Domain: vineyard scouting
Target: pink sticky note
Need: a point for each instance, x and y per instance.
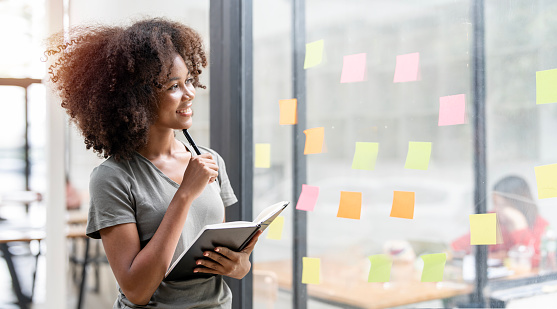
(308, 198)
(452, 110)
(407, 68)
(353, 68)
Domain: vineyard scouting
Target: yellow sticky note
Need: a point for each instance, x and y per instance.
(314, 54)
(380, 270)
(483, 229)
(434, 267)
(418, 155)
(275, 229)
(311, 270)
(365, 156)
(546, 179)
(403, 205)
(314, 140)
(350, 205)
(288, 111)
(546, 91)
(263, 155)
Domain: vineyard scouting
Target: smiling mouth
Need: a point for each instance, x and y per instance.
(184, 112)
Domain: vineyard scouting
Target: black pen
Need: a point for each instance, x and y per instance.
(192, 143)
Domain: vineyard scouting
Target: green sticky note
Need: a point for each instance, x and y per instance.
(311, 270)
(546, 86)
(434, 266)
(483, 229)
(546, 179)
(365, 156)
(380, 270)
(275, 228)
(314, 54)
(418, 155)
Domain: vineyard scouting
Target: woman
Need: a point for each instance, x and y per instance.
(128, 89)
(517, 216)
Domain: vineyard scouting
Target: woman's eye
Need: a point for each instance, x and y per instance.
(173, 87)
(189, 81)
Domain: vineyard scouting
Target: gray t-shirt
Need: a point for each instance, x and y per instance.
(136, 191)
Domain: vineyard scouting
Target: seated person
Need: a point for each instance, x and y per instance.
(518, 219)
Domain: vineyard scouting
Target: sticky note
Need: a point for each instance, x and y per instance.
(546, 179)
(263, 155)
(546, 91)
(308, 198)
(275, 229)
(311, 269)
(403, 205)
(407, 68)
(314, 54)
(452, 110)
(380, 270)
(314, 140)
(288, 111)
(350, 205)
(365, 156)
(418, 155)
(434, 266)
(353, 68)
(483, 229)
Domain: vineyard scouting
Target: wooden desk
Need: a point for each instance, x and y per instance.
(344, 286)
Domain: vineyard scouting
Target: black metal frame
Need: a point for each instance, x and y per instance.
(299, 244)
(231, 112)
(480, 165)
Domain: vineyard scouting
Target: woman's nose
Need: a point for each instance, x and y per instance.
(189, 94)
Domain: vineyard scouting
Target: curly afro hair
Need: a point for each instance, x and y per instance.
(109, 78)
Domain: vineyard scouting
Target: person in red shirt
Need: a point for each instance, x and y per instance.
(517, 216)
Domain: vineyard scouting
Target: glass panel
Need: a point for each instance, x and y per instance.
(272, 71)
(519, 43)
(373, 108)
(12, 140)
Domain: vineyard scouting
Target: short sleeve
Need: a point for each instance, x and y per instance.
(111, 200)
(226, 192)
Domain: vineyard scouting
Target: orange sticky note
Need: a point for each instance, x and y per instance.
(288, 111)
(403, 205)
(314, 140)
(353, 68)
(350, 206)
(308, 198)
(407, 68)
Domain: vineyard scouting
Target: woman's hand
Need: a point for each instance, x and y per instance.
(227, 262)
(201, 171)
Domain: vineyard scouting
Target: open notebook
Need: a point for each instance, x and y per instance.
(233, 235)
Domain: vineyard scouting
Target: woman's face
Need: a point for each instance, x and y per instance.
(175, 99)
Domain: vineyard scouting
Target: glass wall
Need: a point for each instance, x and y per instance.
(272, 71)
(392, 91)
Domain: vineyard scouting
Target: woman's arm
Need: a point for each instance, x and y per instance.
(138, 271)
